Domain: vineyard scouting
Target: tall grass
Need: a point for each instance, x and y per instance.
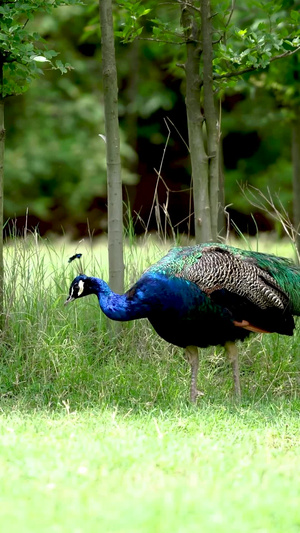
(55, 356)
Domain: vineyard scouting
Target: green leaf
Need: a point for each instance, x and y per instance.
(295, 15)
(59, 65)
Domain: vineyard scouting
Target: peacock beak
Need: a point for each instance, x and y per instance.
(69, 299)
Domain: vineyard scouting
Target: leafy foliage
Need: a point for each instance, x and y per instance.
(249, 35)
(22, 48)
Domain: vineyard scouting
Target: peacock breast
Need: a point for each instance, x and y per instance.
(184, 315)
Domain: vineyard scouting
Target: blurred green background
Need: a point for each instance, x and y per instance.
(55, 159)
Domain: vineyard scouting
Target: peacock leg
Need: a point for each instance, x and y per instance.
(233, 357)
(191, 355)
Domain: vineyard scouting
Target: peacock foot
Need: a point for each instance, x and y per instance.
(195, 394)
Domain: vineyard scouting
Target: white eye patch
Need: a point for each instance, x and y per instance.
(80, 287)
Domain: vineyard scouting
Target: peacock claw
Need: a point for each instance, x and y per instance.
(195, 394)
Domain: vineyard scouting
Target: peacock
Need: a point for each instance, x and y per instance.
(206, 295)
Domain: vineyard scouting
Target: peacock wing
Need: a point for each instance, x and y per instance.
(250, 293)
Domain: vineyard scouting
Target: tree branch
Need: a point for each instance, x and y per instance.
(251, 69)
(188, 4)
(159, 40)
(230, 13)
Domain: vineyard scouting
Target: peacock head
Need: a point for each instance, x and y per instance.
(80, 286)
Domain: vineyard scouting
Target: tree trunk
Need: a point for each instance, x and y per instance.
(222, 222)
(113, 160)
(2, 141)
(210, 116)
(296, 173)
(199, 160)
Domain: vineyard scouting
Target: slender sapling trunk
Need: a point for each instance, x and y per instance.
(114, 183)
(2, 141)
(210, 117)
(199, 160)
(296, 174)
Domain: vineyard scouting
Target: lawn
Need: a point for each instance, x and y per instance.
(180, 469)
(97, 433)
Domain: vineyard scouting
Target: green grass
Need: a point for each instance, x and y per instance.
(97, 434)
(182, 469)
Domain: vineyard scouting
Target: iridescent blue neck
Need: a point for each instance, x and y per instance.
(120, 307)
